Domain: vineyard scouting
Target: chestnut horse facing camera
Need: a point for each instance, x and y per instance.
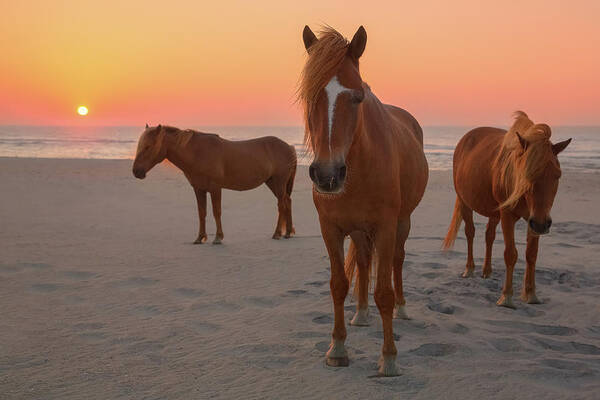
(369, 174)
(211, 163)
(506, 176)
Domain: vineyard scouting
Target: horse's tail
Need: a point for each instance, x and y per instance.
(290, 183)
(350, 264)
(454, 225)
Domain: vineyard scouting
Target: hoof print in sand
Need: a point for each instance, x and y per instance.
(434, 350)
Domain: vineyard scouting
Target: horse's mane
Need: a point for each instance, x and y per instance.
(520, 168)
(324, 58)
(183, 136)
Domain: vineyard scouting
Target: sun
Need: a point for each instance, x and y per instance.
(82, 110)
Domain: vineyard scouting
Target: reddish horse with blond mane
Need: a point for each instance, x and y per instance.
(369, 174)
(211, 163)
(521, 183)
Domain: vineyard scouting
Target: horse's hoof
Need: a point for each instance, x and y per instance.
(276, 236)
(337, 362)
(387, 366)
(486, 273)
(200, 240)
(506, 301)
(337, 355)
(468, 273)
(217, 241)
(530, 298)
(361, 318)
(400, 312)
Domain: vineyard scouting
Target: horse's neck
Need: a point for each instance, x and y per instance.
(176, 153)
(365, 136)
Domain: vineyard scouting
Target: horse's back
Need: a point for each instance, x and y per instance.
(472, 168)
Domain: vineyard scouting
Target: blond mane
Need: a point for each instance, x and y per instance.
(518, 168)
(324, 58)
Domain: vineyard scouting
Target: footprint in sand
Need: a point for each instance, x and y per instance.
(459, 328)
(45, 287)
(566, 347)
(206, 327)
(78, 274)
(379, 335)
(308, 334)
(316, 283)
(431, 275)
(88, 326)
(147, 311)
(553, 330)
(434, 350)
(134, 282)
(322, 319)
(443, 308)
(264, 301)
(506, 345)
(23, 266)
(189, 292)
(295, 292)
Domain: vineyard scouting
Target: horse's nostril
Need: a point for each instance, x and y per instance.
(342, 173)
(312, 172)
(549, 223)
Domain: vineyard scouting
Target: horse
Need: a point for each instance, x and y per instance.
(369, 173)
(211, 163)
(505, 176)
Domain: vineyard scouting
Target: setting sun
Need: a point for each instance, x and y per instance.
(82, 110)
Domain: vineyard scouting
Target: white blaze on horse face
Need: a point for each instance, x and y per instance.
(333, 90)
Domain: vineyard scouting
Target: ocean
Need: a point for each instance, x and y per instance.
(119, 142)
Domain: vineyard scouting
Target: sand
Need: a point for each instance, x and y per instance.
(103, 296)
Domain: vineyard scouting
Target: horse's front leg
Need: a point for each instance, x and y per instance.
(334, 241)
(385, 245)
(201, 200)
(508, 221)
(215, 199)
(528, 292)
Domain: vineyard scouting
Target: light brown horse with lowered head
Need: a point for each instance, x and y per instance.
(211, 163)
(506, 176)
(369, 173)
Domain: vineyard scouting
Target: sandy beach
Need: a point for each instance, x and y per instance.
(103, 296)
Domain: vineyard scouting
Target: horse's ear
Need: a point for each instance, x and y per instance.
(146, 125)
(358, 43)
(560, 146)
(308, 37)
(522, 141)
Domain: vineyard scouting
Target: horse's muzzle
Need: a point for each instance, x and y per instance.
(328, 177)
(139, 173)
(540, 228)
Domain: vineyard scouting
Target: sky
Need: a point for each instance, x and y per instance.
(191, 63)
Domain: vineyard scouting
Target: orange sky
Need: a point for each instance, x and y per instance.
(237, 63)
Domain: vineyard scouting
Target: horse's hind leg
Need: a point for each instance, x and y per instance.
(467, 215)
(215, 199)
(401, 235)
(490, 235)
(201, 200)
(277, 186)
(363, 252)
